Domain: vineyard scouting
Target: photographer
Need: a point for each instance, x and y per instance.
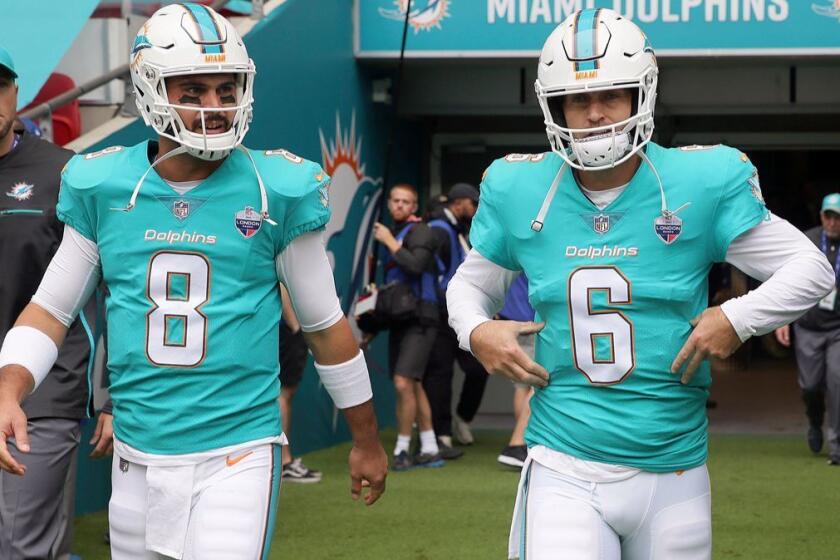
(410, 266)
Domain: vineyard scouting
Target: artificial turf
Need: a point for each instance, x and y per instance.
(771, 500)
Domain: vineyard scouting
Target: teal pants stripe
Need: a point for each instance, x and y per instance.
(523, 532)
(271, 515)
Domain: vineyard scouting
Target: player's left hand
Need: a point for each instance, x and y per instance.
(713, 335)
(103, 436)
(368, 468)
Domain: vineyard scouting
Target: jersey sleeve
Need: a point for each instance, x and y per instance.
(308, 212)
(488, 234)
(299, 194)
(74, 208)
(740, 205)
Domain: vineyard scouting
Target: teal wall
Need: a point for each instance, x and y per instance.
(41, 34)
(309, 91)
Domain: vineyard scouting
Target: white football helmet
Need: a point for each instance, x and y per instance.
(184, 39)
(595, 50)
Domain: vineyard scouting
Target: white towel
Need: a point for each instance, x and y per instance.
(515, 541)
(170, 494)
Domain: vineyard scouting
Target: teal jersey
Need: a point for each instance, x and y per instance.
(617, 288)
(192, 290)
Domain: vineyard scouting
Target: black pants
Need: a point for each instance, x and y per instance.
(438, 381)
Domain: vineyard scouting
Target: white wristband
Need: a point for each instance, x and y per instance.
(349, 383)
(30, 348)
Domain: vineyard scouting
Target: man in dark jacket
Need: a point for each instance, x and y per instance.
(411, 259)
(36, 511)
(817, 342)
(450, 226)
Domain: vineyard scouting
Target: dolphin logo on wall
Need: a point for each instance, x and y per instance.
(353, 198)
(832, 9)
(424, 16)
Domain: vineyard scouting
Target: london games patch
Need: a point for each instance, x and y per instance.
(248, 222)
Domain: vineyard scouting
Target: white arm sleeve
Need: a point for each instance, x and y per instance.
(795, 274)
(475, 294)
(303, 267)
(70, 278)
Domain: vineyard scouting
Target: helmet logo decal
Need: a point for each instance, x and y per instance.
(140, 43)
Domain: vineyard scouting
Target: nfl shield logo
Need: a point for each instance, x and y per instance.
(248, 222)
(668, 228)
(181, 209)
(601, 223)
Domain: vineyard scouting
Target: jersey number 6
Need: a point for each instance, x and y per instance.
(178, 284)
(602, 341)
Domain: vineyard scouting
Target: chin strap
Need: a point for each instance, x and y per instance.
(665, 212)
(537, 223)
(263, 195)
(133, 201)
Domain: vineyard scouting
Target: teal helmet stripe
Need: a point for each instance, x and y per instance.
(207, 28)
(586, 35)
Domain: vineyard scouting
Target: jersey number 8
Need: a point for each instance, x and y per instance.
(178, 284)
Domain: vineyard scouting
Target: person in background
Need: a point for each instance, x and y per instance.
(450, 223)
(411, 260)
(817, 342)
(36, 511)
(518, 308)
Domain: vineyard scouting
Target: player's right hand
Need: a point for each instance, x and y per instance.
(368, 469)
(12, 424)
(495, 345)
(783, 335)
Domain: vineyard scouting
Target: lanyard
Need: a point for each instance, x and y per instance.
(824, 247)
(15, 141)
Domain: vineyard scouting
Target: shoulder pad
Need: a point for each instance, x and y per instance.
(287, 174)
(718, 152)
(85, 171)
(513, 166)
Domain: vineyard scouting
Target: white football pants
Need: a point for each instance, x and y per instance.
(228, 512)
(648, 516)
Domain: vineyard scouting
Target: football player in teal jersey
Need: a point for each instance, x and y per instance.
(616, 236)
(191, 234)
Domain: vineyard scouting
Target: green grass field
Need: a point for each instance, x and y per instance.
(771, 500)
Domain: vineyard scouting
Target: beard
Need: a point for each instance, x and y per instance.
(6, 126)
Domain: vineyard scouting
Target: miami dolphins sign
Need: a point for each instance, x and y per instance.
(517, 28)
(425, 14)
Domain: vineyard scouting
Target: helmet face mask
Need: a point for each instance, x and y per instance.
(191, 40)
(595, 51)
